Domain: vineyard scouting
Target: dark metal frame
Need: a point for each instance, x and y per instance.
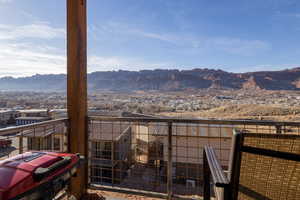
(230, 182)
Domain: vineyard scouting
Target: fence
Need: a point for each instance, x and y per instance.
(162, 155)
(46, 136)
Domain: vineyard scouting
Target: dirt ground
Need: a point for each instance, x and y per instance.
(258, 112)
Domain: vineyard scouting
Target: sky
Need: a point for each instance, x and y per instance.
(232, 35)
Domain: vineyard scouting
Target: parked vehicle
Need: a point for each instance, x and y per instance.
(36, 175)
(5, 143)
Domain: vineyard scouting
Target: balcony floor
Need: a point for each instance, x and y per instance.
(108, 195)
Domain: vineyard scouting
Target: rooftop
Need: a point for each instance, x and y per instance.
(33, 118)
(33, 110)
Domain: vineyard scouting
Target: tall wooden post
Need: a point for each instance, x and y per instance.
(170, 162)
(77, 87)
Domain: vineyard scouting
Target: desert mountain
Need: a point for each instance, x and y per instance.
(167, 80)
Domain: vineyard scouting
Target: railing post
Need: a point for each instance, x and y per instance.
(66, 136)
(21, 143)
(170, 163)
(278, 129)
(77, 88)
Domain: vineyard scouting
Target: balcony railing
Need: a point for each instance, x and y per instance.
(162, 156)
(144, 155)
(44, 136)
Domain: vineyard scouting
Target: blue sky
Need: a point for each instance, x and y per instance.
(237, 36)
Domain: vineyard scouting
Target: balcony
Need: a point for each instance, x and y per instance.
(150, 156)
(147, 156)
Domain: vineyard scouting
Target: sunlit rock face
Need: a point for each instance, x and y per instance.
(166, 80)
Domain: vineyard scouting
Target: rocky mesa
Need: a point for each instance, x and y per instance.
(165, 80)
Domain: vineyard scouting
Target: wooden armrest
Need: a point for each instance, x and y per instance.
(219, 178)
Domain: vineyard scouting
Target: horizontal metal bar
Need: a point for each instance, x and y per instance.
(178, 136)
(191, 136)
(195, 121)
(15, 129)
(271, 153)
(272, 136)
(251, 193)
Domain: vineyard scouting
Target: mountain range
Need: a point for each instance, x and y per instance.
(164, 80)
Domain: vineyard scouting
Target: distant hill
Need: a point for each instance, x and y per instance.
(51, 82)
(167, 80)
(245, 111)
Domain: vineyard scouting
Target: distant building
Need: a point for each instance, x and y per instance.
(46, 138)
(62, 113)
(58, 113)
(188, 139)
(32, 116)
(30, 120)
(140, 115)
(34, 113)
(111, 155)
(8, 116)
(223, 97)
(120, 149)
(95, 112)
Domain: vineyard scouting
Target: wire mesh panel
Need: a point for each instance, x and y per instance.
(162, 155)
(45, 136)
(127, 155)
(264, 176)
(188, 142)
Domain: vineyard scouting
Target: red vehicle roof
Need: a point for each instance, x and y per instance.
(17, 173)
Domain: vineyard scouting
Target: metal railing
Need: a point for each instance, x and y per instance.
(44, 136)
(160, 156)
(163, 156)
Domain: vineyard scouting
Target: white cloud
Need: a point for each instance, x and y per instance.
(237, 46)
(97, 63)
(287, 14)
(22, 55)
(27, 59)
(201, 43)
(229, 45)
(297, 15)
(36, 30)
(163, 37)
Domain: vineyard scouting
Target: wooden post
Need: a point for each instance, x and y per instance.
(170, 163)
(21, 143)
(77, 88)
